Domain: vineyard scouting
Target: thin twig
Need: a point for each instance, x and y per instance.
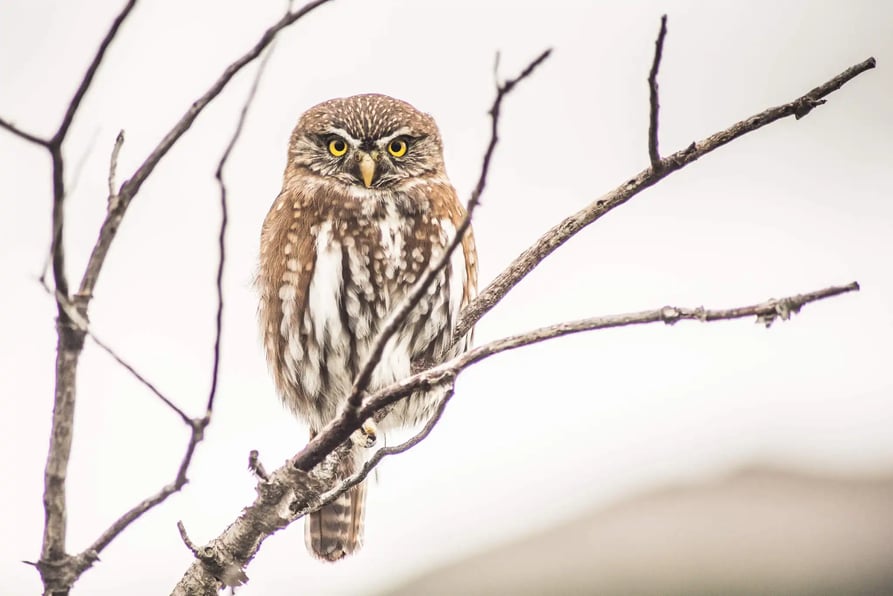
(224, 217)
(90, 555)
(146, 383)
(131, 186)
(81, 324)
(10, 127)
(399, 314)
(566, 229)
(256, 466)
(765, 312)
(379, 455)
(197, 425)
(185, 537)
(652, 88)
(81, 91)
(55, 148)
(113, 166)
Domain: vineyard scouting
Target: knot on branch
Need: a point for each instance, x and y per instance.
(256, 466)
(672, 314)
(59, 574)
(309, 487)
(778, 309)
(804, 105)
(216, 559)
(221, 564)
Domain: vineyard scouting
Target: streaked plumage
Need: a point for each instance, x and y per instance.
(365, 206)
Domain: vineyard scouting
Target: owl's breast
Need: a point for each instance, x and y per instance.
(362, 266)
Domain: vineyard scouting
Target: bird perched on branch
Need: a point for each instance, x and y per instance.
(365, 207)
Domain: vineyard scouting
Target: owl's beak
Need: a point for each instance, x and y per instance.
(367, 168)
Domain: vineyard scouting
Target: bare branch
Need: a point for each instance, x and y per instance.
(379, 455)
(91, 554)
(74, 566)
(59, 570)
(197, 425)
(652, 87)
(189, 544)
(82, 326)
(9, 126)
(224, 216)
(563, 231)
(396, 318)
(765, 312)
(113, 165)
(131, 187)
(145, 382)
(55, 566)
(256, 466)
(81, 91)
(290, 489)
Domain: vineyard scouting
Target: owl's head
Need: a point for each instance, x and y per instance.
(368, 140)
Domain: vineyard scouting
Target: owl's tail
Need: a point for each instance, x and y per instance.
(336, 530)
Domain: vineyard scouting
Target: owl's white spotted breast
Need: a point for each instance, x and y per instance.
(361, 270)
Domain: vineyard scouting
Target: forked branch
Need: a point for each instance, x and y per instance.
(399, 314)
(653, 99)
(291, 489)
(566, 229)
(58, 569)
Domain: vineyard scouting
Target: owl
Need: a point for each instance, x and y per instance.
(365, 206)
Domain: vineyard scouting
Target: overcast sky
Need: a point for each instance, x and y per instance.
(533, 436)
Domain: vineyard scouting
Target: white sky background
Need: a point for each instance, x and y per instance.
(532, 436)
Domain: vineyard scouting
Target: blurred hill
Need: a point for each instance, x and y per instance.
(756, 531)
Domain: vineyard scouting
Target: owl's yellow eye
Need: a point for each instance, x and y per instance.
(337, 147)
(397, 147)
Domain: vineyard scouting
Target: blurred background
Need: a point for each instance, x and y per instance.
(693, 458)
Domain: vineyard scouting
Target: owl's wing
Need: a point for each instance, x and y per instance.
(452, 208)
(287, 257)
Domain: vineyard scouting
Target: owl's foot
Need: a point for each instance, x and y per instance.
(365, 436)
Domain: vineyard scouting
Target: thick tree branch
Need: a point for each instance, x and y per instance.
(563, 231)
(55, 565)
(131, 187)
(293, 491)
(653, 151)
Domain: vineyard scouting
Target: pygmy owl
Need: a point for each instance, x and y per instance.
(365, 206)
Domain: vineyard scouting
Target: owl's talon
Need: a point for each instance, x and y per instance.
(365, 436)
